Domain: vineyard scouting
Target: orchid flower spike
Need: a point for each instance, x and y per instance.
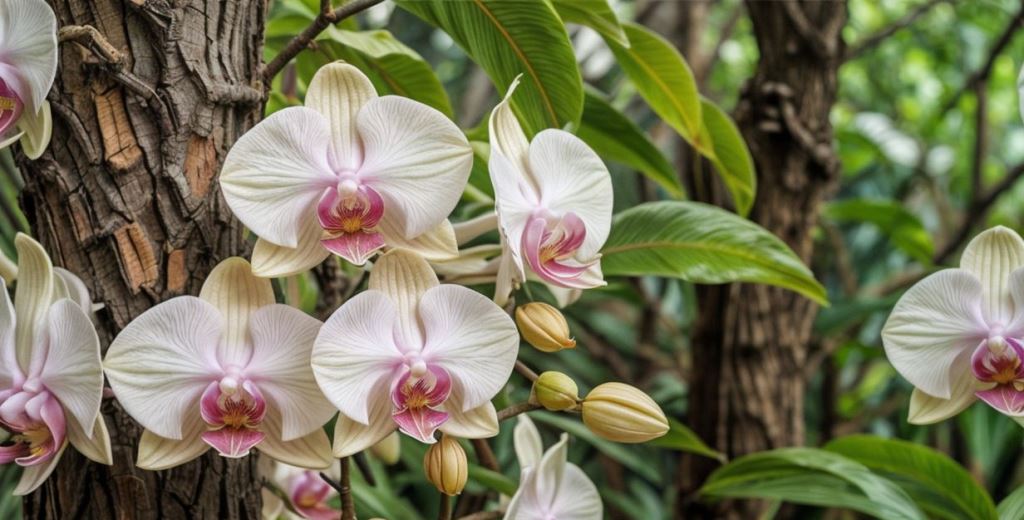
(549, 486)
(51, 380)
(28, 65)
(412, 354)
(958, 334)
(309, 495)
(350, 173)
(229, 369)
(554, 202)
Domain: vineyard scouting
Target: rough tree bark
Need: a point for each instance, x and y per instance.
(750, 342)
(127, 198)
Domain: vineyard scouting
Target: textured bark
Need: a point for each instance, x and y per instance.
(126, 197)
(751, 341)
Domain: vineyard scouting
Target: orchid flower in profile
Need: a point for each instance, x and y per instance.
(550, 488)
(350, 173)
(28, 65)
(958, 335)
(307, 492)
(414, 355)
(51, 379)
(228, 370)
(554, 203)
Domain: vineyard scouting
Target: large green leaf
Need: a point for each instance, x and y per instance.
(1012, 507)
(617, 138)
(664, 80)
(731, 158)
(903, 228)
(814, 477)
(702, 244)
(508, 38)
(939, 486)
(596, 14)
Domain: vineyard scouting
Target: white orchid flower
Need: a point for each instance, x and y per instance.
(412, 354)
(553, 196)
(229, 369)
(306, 490)
(51, 380)
(958, 334)
(350, 173)
(28, 65)
(550, 487)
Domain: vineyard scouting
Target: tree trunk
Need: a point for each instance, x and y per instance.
(750, 342)
(126, 197)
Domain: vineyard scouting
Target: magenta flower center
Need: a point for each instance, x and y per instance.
(36, 421)
(234, 409)
(349, 216)
(11, 107)
(549, 242)
(417, 395)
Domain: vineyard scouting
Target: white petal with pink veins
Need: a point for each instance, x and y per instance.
(992, 256)
(236, 293)
(72, 370)
(338, 91)
(28, 37)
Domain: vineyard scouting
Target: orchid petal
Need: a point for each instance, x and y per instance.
(236, 293)
(10, 139)
(473, 228)
(577, 497)
(515, 201)
(9, 369)
(312, 451)
(506, 135)
(1016, 289)
(992, 256)
(476, 423)
(162, 361)
(351, 437)
(1004, 398)
(339, 91)
(436, 244)
(416, 158)
(931, 326)
(925, 409)
(282, 339)
(565, 296)
(36, 129)
(275, 173)
(270, 260)
(509, 275)
(472, 338)
(96, 446)
(404, 277)
(549, 471)
(233, 443)
(355, 350)
(34, 476)
(32, 297)
(72, 370)
(528, 445)
(571, 177)
(76, 289)
(159, 453)
(28, 37)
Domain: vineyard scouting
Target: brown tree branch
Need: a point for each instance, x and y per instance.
(874, 40)
(526, 371)
(516, 409)
(977, 211)
(325, 18)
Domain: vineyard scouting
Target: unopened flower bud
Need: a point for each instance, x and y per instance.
(446, 466)
(388, 450)
(544, 327)
(555, 391)
(622, 413)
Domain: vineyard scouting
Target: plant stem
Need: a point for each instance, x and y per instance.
(444, 512)
(526, 371)
(348, 506)
(516, 409)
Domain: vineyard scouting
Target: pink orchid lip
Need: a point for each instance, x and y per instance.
(548, 241)
(309, 494)
(234, 410)
(998, 361)
(36, 421)
(348, 216)
(417, 394)
(11, 107)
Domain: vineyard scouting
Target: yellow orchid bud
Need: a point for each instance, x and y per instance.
(544, 327)
(388, 450)
(622, 413)
(446, 466)
(555, 391)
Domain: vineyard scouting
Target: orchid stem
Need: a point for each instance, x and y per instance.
(364, 468)
(348, 506)
(526, 371)
(485, 455)
(444, 512)
(516, 409)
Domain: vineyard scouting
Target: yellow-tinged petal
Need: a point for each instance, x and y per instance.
(33, 296)
(237, 293)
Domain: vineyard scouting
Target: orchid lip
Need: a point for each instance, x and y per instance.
(11, 107)
(234, 416)
(36, 422)
(416, 399)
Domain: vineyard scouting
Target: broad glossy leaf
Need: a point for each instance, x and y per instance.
(596, 14)
(732, 157)
(508, 38)
(702, 244)
(903, 228)
(811, 476)
(939, 485)
(618, 139)
(1012, 507)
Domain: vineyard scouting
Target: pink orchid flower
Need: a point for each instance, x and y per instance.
(28, 65)
(350, 173)
(957, 335)
(554, 203)
(228, 370)
(412, 354)
(306, 490)
(51, 380)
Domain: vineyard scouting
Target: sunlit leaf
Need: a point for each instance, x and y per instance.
(732, 157)
(596, 14)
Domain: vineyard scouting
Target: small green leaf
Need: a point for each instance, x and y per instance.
(682, 438)
(596, 14)
(1012, 507)
(620, 452)
(618, 139)
(903, 228)
(731, 158)
(702, 244)
(492, 480)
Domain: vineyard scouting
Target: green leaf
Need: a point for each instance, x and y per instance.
(596, 14)
(811, 476)
(1012, 507)
(939, 486)
(507, 39)
(731, 158)
(627, 456)
(492, 480)
(702, 244)
(664, 80)
(391, 66)
(682, 438)
(903, 228)
(618, 139)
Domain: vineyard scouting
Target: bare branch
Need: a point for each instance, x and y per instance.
(977, 211)
(870, 42)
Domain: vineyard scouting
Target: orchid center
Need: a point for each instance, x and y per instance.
(997, 363)
(417, 396)
(233, 409)
(551, 242)
(349, 215)
(11, 107)
(26, 415)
